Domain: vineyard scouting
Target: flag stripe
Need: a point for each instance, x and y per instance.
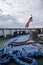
(27, 24)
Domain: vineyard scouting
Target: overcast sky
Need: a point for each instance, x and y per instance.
(15, 13)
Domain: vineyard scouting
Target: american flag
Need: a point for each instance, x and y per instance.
(28, 22)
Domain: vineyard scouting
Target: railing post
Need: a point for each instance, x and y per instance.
(4, 33)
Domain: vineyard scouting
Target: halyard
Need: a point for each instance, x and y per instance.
(39, 59)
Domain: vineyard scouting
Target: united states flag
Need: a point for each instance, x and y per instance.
(28, 22)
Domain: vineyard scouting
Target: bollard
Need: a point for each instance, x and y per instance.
(34, 35)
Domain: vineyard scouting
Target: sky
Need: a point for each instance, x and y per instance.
(15, 13)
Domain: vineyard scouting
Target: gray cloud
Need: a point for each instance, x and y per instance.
(7, 17)
(1, 10)
(8, 3)
(4, 0)
(23, 9)
(9, 21)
